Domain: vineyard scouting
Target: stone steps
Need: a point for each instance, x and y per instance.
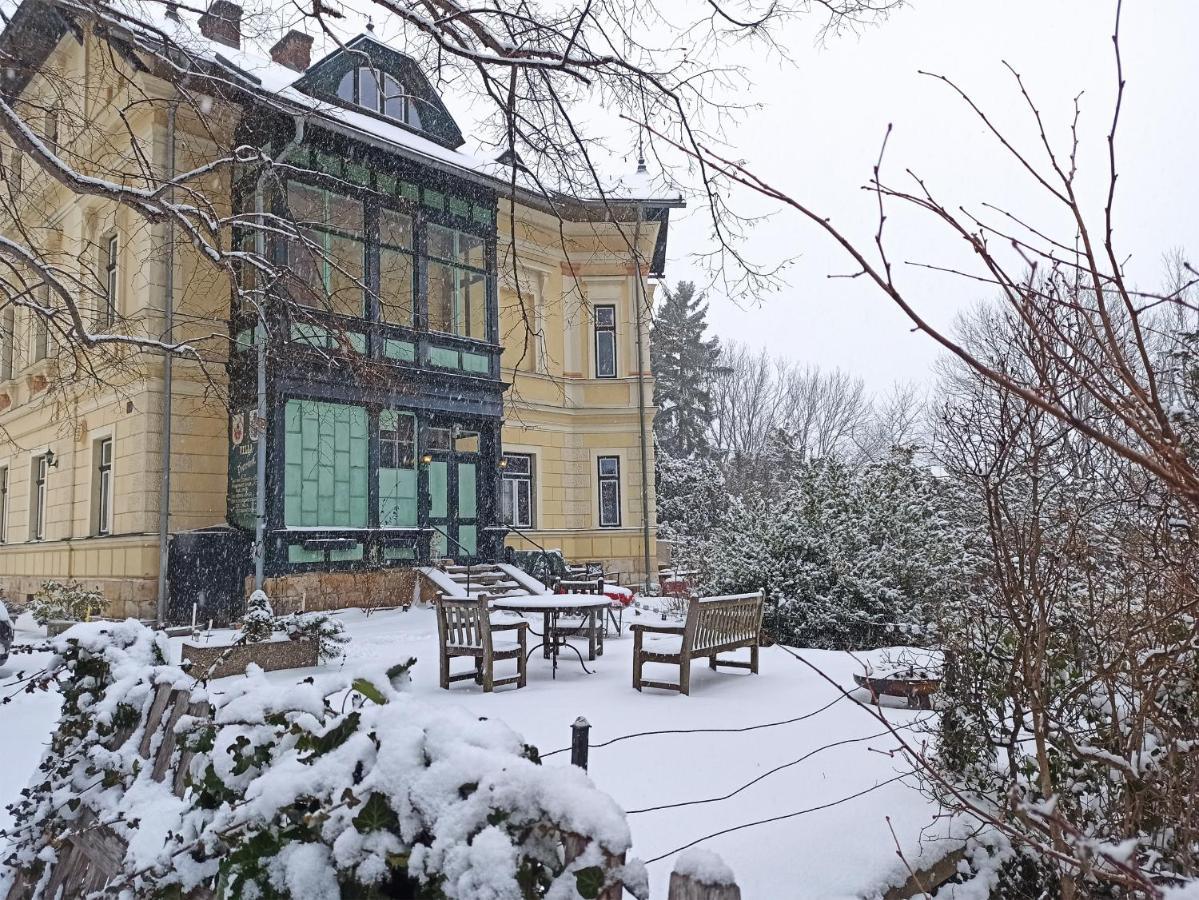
(485, 578)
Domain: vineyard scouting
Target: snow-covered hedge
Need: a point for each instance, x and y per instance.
(340, 783)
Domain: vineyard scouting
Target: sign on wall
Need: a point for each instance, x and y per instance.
(245, 428)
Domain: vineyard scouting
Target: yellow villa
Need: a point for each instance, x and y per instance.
(427, 368)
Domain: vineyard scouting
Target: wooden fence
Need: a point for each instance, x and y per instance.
(91, 855)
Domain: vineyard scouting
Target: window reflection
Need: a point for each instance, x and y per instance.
(326, 259)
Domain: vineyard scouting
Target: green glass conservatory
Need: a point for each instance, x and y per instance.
(381, 368)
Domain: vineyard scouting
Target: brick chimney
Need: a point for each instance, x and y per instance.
(293, 50)
(222, 23)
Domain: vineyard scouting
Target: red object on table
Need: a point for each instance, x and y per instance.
(614, 592)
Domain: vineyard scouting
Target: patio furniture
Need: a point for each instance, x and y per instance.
(593, 586)
(619, 599)
(915, 685)
(464, 628)
(586, 571)
(677, 582)
(555, 636)
(714, 625)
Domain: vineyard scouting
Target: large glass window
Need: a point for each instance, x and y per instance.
(609, 491)
(325, 476)
(516, 490)
(419, 270)
(395, 267)
(326, 260)
(457, 283)
(397, 469)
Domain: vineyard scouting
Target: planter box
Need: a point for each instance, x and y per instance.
(269, 655)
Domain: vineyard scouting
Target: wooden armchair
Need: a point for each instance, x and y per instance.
(714, 625)
(464, 628)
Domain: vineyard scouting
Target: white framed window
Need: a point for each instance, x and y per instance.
(8, 342)
(362, 87)
(605, 341)
(37, 499)
(110, 280)
(39, 347)
(102, 490)
(608, 469)
(516, 490)
(3, 504)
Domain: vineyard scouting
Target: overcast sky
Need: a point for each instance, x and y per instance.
(824, 118)
(824, 114)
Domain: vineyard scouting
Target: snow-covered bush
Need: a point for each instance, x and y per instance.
(329, 633)
(258, 624)
(66, 600)
(850, 556)
(341, 785)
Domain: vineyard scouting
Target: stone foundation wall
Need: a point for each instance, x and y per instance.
(127, 597)
(311, 591)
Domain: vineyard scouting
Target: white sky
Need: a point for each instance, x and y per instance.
(824, 118)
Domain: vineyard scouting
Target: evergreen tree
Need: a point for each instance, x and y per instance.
(684, 362)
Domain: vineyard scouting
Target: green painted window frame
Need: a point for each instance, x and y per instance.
(399, 490)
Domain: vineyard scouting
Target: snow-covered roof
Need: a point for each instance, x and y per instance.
(257, 73)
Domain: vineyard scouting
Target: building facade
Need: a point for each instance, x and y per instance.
(431, 367)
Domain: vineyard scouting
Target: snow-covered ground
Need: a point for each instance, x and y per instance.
(844, 849)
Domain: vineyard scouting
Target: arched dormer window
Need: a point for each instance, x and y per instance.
(361, 87)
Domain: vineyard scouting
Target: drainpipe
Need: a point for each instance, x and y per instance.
(260, 344)
(645, 473)
(168, 308)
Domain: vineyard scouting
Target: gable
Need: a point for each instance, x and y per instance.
(324, 77)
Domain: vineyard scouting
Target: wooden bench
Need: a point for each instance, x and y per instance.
(714, 625)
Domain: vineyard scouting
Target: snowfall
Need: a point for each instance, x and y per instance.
(790, 746)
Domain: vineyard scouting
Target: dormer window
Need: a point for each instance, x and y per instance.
(361, 86)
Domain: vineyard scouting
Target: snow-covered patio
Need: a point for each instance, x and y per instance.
(831, 836)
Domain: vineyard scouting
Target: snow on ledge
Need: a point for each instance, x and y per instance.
(444, 582)
(523, 578)
(705, 867)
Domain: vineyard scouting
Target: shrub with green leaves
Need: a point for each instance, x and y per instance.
(343, 785)
(67, 600)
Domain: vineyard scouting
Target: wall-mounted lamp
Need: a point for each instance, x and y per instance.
(503, 462)
(51, 460)
(427, 458)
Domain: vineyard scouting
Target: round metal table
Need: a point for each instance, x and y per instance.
(554, 637)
